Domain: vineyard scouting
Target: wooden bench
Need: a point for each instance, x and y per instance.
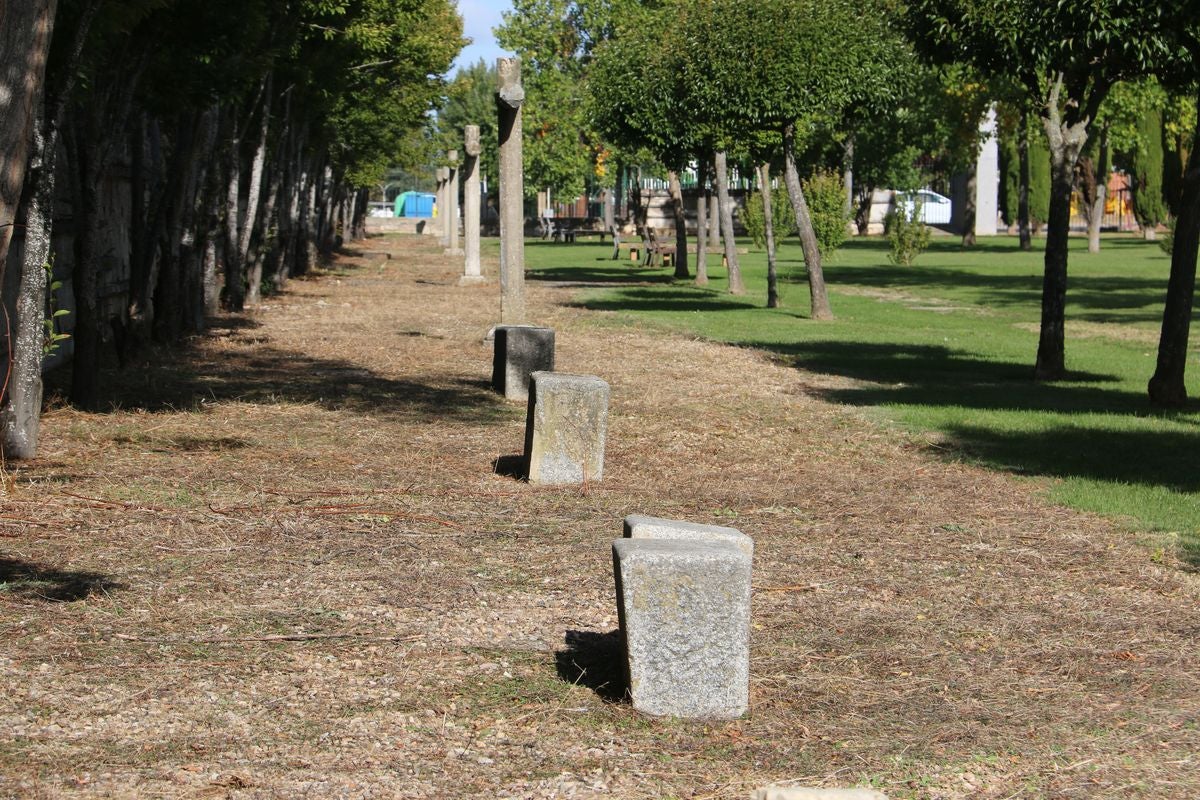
(660, 247)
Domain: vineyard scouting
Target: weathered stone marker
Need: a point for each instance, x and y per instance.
(798, 793)
(683, 601)
(452, 248)
(565, 428)
(638, 526)
(509, 98)
(472, 272)
(520, 351)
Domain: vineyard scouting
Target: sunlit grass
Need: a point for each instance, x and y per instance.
(946, 347)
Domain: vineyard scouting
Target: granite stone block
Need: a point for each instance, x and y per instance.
(565, 427)
(684, 611)
(519, 351)
(639, 526)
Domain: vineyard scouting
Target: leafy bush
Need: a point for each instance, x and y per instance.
(906, 234)
(1167, 240)
(781, 215)
(826, 196)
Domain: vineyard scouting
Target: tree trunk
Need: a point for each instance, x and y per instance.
(1099, 181)
(681, 259)
(714, 209)
(808, 238)
(1166, 388)
(210, 278)
(736, 286)
(1023, 179)
(764, 182)
(25, 30)
(235, 281)
(247, 221)
(702, 223)
(85, 365)
(862, 211)
(968, 235)
(848, 172)
(21, 414)
(1066, 143)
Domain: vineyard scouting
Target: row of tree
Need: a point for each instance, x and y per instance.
(246, 128)
(886, 91)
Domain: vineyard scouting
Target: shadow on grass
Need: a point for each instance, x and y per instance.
(1087, 293)
(514, 466)
(617, 273)
(1168, 459)
(652, 298)
(594, 660)
(30, 581)
(935, 375)
(1151, 459)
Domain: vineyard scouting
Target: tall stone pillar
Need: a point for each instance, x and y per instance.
(987, 178)
(472, 273)
(452, 246)
(443, 203)
(509, 97)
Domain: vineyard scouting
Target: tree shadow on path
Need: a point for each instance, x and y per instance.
(34, 582)
(594, 660)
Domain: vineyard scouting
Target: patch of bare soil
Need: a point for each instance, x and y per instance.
(286, 567)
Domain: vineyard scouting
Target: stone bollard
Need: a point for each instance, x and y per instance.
(565, 428)
(684, 609)
(520, 350)
(638, 526)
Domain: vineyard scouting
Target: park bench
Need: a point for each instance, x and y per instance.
(570, 229)
(660, 247)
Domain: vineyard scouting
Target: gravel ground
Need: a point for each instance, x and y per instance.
(285, 565)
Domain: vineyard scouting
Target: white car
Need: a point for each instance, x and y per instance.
(935, 208)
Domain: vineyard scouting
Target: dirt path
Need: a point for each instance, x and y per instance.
(287, 569)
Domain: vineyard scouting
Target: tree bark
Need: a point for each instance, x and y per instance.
(714, 209)
(764, 182)
(1023, 181)
(1099, 184)
(736, 286)
(210, 280)
(85, 365)
(702, 223)
(21, 414)
(249, 217)
(848, 172)
(26, 27)
(968, 235)
(235, 282)
(1066, 143)
(1166, 387)
(681, 259)
(820, 309)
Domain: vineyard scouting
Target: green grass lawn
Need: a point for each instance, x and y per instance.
(946, 347)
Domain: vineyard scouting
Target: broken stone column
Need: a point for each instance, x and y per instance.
(683, 601)
(509, 98)
(565, 428)
(452, 248)
(472, 271)
(987, 178)
(520, 351)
